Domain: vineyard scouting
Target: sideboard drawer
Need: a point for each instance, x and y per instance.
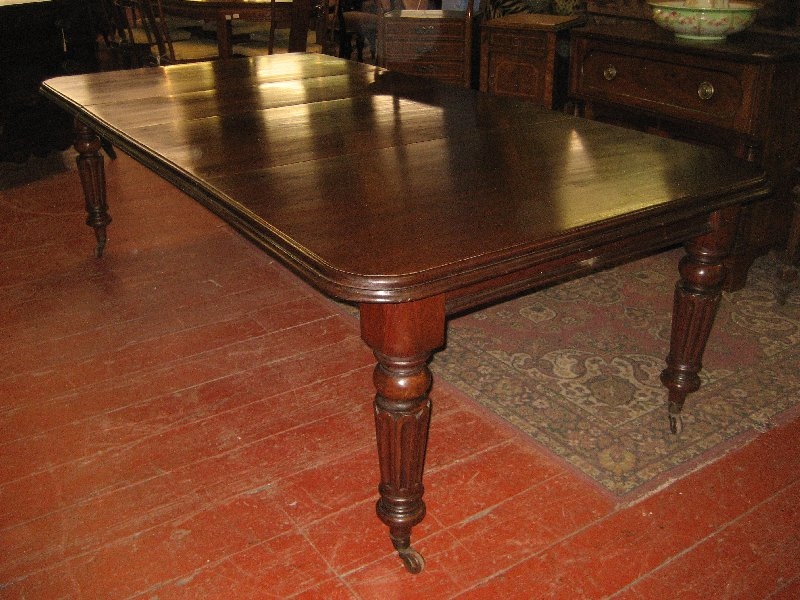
(530, 43)
(450, 49)
(421, 28)
(712, 92)
(448, 72)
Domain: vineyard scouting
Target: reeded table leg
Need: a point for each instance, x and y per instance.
(90, 168)
(403, 337)
(697, 298)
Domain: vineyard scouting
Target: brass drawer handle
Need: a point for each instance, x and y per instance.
(610, 73)
(705, 90)
(424, 29)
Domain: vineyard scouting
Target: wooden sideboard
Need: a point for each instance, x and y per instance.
(742, 95)
(526, 56)
(433, 43)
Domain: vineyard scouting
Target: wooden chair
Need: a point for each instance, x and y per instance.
(263, 40)
(172, 48)
(133, 43)
(145, 36)
(356, 21)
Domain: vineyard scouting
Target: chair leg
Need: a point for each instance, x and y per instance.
(360, 47)
(373, 47)
(345, 45)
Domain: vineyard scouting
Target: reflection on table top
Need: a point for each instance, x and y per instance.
(312, 150)
(15, 2)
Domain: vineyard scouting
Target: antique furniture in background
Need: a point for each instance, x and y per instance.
(30, 50)
(223, 12)
(527, 56)
(433, 43)
(40, 39)
(742, 95)
(788, 275)
(154, 40)
(350, 21)
(416, 200)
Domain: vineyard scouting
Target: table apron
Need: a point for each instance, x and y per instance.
(215, 14)
(581, 262)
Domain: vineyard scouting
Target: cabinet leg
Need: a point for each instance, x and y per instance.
(403, 337)
(697, 297)
(93, 180)
(787, 274)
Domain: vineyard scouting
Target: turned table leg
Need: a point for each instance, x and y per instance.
(787, 274)
(93, 180)
(403, 336)
(697, 297)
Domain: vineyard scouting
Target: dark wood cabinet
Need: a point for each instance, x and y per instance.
(30, 50)
(527, 56)
(41, 39)
(742, 95)
(433, 43)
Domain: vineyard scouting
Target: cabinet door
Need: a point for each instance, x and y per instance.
(513, 75)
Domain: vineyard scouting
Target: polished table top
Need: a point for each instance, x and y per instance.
(380, 187)
(416, 199)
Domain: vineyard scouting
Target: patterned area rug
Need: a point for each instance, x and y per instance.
(576, 367)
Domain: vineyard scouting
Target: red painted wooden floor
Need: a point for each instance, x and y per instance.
(185, 419)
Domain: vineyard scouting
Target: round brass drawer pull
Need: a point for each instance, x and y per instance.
(705, 90)
(609, 73)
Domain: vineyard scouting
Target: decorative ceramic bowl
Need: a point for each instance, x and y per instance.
(703, 24)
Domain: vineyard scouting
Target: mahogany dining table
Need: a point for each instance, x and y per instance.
(224, 12)
(416, 200)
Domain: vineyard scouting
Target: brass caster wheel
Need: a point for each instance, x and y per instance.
(412, 560)
(675, 424)
(100, 236)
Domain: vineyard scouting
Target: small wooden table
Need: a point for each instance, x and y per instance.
(223, 12)
(527, 56)
(416, 200)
